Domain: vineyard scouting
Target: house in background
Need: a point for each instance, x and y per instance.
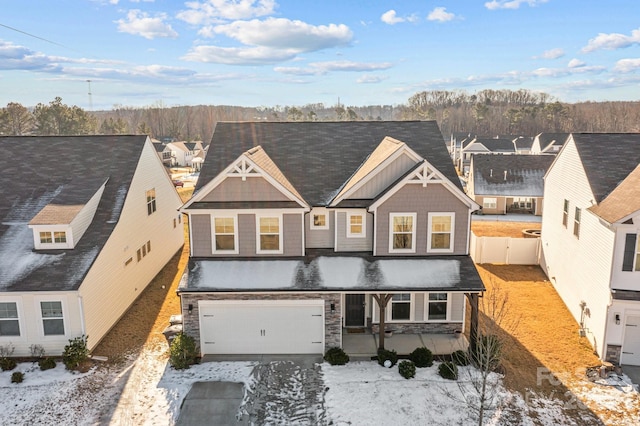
(591, 239)
(548, 143)
(523, 144)
(301, 231)
(183, 153)
(488, 146)
(504, 184)
(79, 238)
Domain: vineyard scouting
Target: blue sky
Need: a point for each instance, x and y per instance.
(294, 52)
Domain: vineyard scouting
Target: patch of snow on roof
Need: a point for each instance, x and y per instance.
(341, 272)
(254, 274)
(118, 204)
(409, 273)
(28, 208)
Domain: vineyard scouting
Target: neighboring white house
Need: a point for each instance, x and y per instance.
(86, 222)
(183, 153)
(591, 239)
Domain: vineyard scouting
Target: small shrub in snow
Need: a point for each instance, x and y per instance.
(448, 370)
(336, 356)
(17, 377)
(407, 369)
(6, 351)
(75, 353)
(46, 363)
(7, 364)
(385, 355)
(422, 357)
(460, 357)
(183, 352)
(37, 351)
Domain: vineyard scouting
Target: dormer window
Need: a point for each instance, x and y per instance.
(319, 219)
(56, 237)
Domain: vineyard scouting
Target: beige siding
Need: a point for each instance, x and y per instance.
(251, 189)
(82, 221)
(201, 245)
(319, 238)
(353, 244)
(383, 179)
(419, 307)
(111, 286)
(414, 198)
(457, 306)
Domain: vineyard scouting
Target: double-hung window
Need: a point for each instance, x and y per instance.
(355, 225)
(490, 203)
(576, 223)
(565, 213)
(151, 201)
(401, 307)
(269, 234)
(9, 323)
(631, 256)
(225, 238)
(437, 306)
(440, 232)
(52, 318)
(402, 235)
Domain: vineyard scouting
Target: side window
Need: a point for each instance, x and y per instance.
(52, 319)
(565, 213)
(151, 201)
(576, 223)
(9, 323)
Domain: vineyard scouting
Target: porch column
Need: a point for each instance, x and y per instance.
(473, 330)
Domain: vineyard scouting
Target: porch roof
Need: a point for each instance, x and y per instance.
(332, 274)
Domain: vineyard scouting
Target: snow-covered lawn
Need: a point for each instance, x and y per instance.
(146, 391)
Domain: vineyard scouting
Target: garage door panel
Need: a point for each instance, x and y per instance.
(249, 328)
(631, 344)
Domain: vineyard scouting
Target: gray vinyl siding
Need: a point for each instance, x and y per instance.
(457, 306)
(319, 238)
(353, 244)
(292, 238)
(383, 179)
(246, 235)
(200, 235)
(251, 189)
(418, 306)
(414, 198)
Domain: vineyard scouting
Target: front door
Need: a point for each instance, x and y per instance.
(354, 310)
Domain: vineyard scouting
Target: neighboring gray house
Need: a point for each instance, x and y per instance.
(298, 229)
(490, 146)
(86, 222)
(548, 143)
(504, 184)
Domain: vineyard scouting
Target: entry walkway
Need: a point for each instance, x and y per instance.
(364, 346)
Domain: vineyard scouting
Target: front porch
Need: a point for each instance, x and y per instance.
(363, 346)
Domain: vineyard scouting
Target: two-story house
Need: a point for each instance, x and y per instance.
(299, 230)
(86, 222)
(591, 239)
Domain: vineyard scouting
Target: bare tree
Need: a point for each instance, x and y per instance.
(15, 120)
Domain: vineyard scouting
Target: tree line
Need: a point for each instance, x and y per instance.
(487, 113)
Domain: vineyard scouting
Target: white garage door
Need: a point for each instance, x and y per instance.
(631, 344)
(262, 327)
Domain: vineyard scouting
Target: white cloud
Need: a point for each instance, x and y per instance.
(321, 68)
(390, 17)
(370, 79)
(627, 65)
(207, 31)
(511, 4)
(217, 11)
(239, 56)
(440, 14)
(140, 23)
(575, 63)
(612, 41)
(551, 54)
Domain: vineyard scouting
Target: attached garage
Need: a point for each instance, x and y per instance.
(261, 326)
(631, 344)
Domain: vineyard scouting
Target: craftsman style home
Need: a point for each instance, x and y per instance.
(86, 223)
(591, 239)
(300, 230)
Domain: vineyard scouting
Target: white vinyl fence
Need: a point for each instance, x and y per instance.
(505, 250)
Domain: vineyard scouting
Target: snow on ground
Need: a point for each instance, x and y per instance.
(146, 391)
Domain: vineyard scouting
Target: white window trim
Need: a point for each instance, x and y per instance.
(490, 203)
(413, 233)
(452, 238)
(235, 234)
(52, 229)
(280, 233)
(319, 211)
(426, 307)
(577, 222)
(21, 325)
(65, 315)
(389, 310)
(362, 234)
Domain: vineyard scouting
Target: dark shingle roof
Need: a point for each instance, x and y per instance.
(524, 174)
(607, 158)
(497, 145)
(37, 170)
(319, 157)
(547, 139)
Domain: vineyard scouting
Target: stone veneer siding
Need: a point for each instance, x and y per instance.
(613, 354)
(418, 328)
(332, 320)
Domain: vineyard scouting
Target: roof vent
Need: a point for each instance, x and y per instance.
(505, 175)
(491, 173)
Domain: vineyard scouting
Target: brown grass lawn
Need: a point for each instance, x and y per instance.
(501, 229)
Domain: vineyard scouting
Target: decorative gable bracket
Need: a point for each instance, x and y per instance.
(244, 169)
(424, 175)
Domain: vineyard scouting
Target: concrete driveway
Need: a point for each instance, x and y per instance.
(285, 389)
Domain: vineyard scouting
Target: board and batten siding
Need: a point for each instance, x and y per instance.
(202, 244)
(579, 268)
(384, 178)
(111, 285)
(30, 321)
(353, 244)
(319, 238)
(414, 198)
(251, 189)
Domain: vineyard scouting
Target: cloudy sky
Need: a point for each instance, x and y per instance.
(294, 52)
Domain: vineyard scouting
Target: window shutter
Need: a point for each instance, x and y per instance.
(629, 252)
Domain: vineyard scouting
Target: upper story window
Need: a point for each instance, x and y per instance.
(437, 306)
(440, 232)
(489, 203)
(52, 318)
(565, 213)
(151, 201)
(9, 323)
(631, 256)
(355, 225)
(576, 223)
(52, 240)
(269, 234)
(319, 219)
(225, 237)
(402, 233)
